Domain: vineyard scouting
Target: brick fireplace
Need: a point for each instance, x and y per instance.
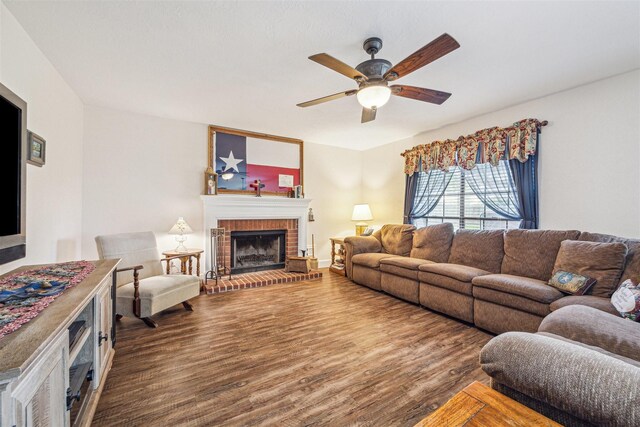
(233, 226)
(247, 213)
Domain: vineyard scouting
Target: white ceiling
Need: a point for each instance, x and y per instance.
(244, 64)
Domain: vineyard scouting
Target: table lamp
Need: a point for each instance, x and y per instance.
(361, 213)
(180, 229)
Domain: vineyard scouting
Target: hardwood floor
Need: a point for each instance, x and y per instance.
(326, 352)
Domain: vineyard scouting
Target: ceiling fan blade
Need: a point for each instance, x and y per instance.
(368, 115)
(420, 93)
(327, 98)
(337, 65)
(427, 54)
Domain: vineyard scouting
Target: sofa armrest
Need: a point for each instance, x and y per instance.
(354, 245)
(584, 383)
(594, 327)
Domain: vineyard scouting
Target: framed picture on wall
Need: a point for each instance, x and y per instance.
(37, 149)
(240, 157)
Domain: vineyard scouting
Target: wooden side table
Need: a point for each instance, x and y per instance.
(479, 405)
(185, 258)
(337, 255)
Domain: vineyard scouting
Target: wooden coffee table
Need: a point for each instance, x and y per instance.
(479, 405)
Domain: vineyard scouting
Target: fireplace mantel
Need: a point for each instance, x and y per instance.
(231, 207)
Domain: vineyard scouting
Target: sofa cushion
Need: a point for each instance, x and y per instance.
(433, 242)
(481, 249)
(445, 282)
(632, 264)
(403, 266)
(517, 302)
(595, 327)
(600, 303)
(600, 261)
(533, 289)
(371, 260)
(459, 272)
(532, 253)
(397, 239)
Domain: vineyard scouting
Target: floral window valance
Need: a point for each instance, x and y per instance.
(485, 146)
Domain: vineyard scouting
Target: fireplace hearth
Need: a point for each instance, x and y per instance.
(257, 250)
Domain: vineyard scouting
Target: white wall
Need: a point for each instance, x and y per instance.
(588, 169)
(142, 172)
(332, 179)
(54, 111)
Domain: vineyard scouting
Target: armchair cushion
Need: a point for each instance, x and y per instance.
(157, 293)
(133, 249)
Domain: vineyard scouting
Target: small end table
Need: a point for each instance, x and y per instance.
(185, 257)
(337, 255)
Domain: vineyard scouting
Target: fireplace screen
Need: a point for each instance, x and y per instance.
(257, 250)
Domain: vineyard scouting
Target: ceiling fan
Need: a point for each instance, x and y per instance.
(373, 76)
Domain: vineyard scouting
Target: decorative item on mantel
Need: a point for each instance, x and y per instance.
(210, 182)
(181, 228)
(258, 186)
(484, 146)
(361, 213)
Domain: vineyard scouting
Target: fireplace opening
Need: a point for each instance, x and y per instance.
(257, 250)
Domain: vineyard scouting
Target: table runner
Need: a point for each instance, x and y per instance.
(25, 294)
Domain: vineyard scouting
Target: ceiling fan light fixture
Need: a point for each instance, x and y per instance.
(373, 96)
(227, 176)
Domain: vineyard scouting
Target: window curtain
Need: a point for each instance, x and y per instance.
(496, 188)
(525, 176)
(429, 188)
(409, 196)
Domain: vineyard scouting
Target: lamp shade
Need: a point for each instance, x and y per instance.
(181, 227)
(361, 213)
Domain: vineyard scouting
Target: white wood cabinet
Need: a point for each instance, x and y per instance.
(52, 374)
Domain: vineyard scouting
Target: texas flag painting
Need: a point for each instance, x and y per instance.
(240, 160)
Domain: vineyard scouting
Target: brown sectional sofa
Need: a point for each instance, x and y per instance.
(572, 358)
(494, 279)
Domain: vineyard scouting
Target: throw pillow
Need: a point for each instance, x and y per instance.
(572, 284)
(627, 300)
(600, 261)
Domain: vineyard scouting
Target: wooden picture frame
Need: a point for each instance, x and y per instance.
(36, 149)
(211, 159)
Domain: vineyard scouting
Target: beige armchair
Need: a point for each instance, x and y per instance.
(142, 287)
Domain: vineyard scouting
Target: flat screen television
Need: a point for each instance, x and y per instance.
(13, 143)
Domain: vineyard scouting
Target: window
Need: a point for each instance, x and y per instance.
(466, 208)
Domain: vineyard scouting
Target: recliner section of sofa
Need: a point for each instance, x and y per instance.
(582, 367)
(494, 279)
